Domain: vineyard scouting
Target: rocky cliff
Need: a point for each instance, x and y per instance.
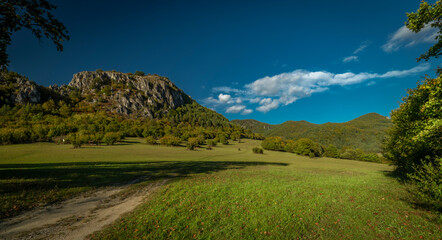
(115, 92)
(129, 94)
(17, 89)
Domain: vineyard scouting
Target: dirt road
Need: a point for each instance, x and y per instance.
(76, 218)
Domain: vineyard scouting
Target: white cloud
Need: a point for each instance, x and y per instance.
(403, 37)
(225, 89)
(268, 105)
(271, 92)
(291, 86)
(224, 98)
(350, 58)
(265, 101)
(371, 83)
(246, 111)
(361, 48)
(235, 109)
(255, 100)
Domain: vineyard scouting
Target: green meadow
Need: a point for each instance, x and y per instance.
(224, 193)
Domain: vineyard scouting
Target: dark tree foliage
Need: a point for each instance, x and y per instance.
(428, 14)
(34, 15)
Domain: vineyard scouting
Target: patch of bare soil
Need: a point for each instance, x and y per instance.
(75, 218)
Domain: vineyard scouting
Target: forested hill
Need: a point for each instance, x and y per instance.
(114, 93)
(366, 132)
(103, 106)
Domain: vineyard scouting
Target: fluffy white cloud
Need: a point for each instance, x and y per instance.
(246, 111)
(291, 86)
(272, 92)
(403, 37)
(235, 109)
(224, 98)
(268, 105)
(350, 58)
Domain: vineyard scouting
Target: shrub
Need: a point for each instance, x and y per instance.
(6, 135)
(331, 151)
(201, 140)
(223, 140)
(273, 143)
(370, 157)
(349, 154)
(139, 73)
(257, 150)
(111, 137)
(211, 142)
(307, 147)
(427, 183)
(169, 140)
(151, 140)
(77, 140)
(192, 143)
(290, 146)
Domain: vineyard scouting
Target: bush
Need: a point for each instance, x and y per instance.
(77, 139)
(331, 151)
(211, 143)
(151, 140)
(290, 146)
(307, 147)
(139, 73)
(273, 143)
(192, 143)
(223, 140)
(427, 183)
(111, 138)
(370, 157)
(349, 154)
(169, 140)
(257, 150)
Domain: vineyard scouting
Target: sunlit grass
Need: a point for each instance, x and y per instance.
(224, 193)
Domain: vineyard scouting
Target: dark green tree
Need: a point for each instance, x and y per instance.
(34, 15)
(427, 14)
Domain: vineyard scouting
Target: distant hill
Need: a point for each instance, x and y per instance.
(365, 132)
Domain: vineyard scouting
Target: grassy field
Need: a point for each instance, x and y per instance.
(225, 193)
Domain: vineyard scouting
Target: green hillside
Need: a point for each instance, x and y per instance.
(365, 132)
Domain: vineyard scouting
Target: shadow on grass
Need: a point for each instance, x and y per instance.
(413, 198)
(28, 181)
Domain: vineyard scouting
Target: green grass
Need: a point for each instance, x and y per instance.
(223, 193)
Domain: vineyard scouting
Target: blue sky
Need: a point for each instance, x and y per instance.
(273, 61)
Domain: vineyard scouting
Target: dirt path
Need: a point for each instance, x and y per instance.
(75, 218)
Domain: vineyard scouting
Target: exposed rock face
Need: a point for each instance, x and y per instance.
(130, 94)
(21, 89)
(115, 92)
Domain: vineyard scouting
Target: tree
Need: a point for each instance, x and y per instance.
(34, 15)
(427, 14)
(415, 138)
(139, 73)
(331, 151)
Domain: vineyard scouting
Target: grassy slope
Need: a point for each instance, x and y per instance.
(225, 193)
(365, 132)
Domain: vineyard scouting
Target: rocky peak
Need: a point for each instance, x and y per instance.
(17, 89)
(130, 94)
